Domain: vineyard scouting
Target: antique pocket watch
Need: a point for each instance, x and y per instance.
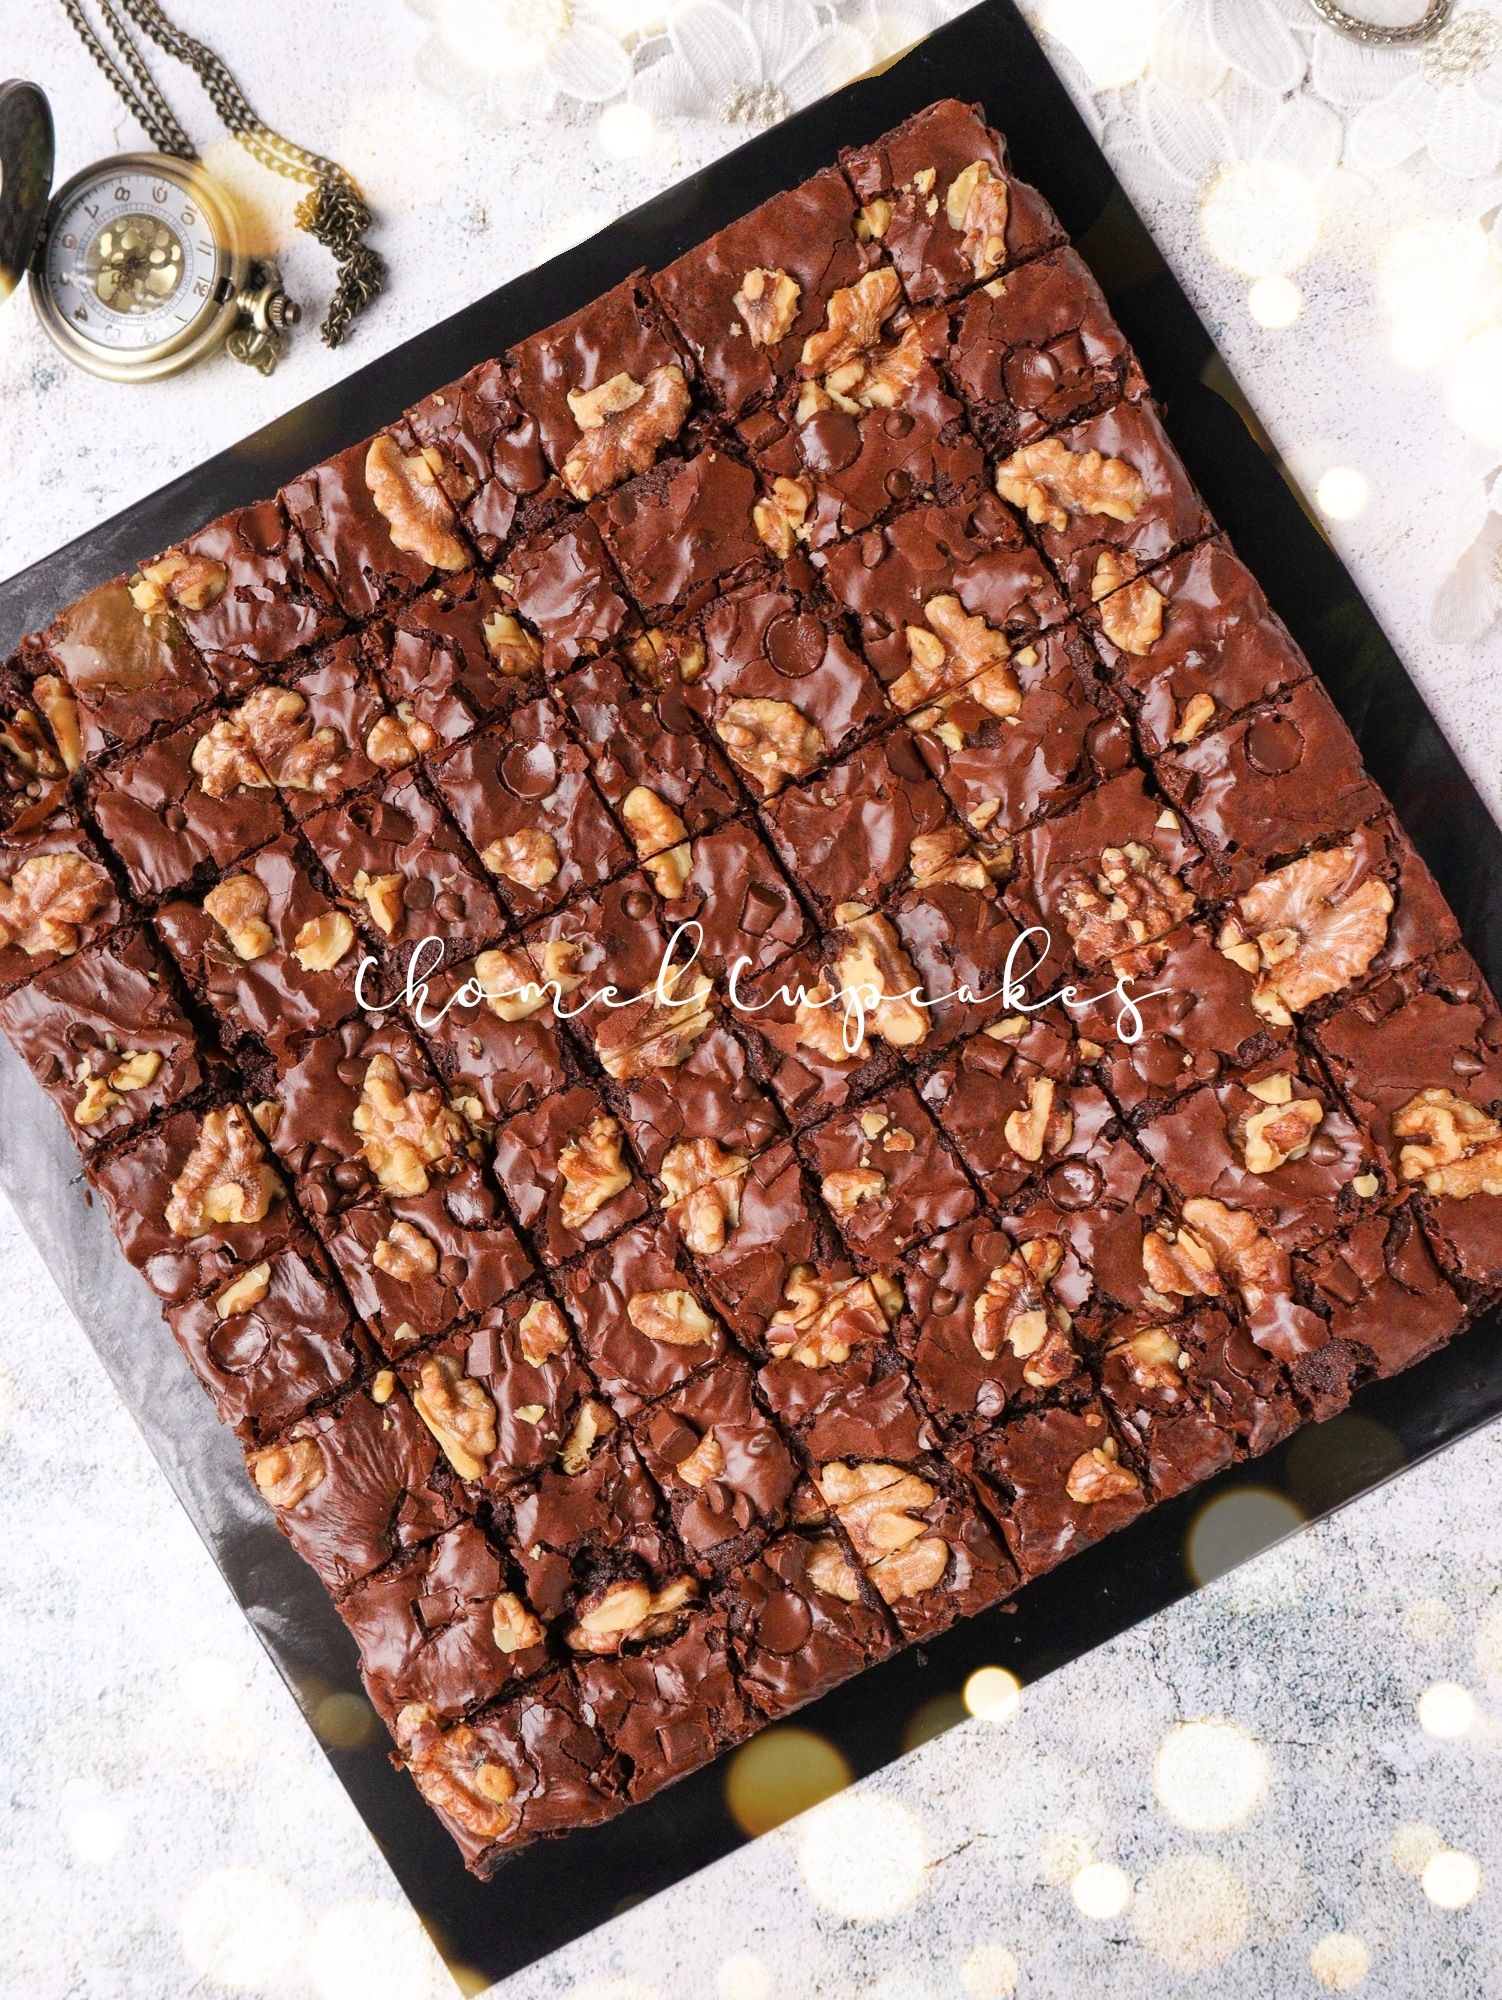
(136, 263)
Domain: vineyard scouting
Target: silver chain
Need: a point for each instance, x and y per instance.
(334, 211)
(1376, 36)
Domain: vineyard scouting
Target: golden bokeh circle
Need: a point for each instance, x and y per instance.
(1340, 1962)
(1210, 1776)
(1451, 1879)
(990, 1972)
(1101, 1890)
(1191, 1913)
(779, 1774)
(862, 1857)
(993, 1694)
(1235, 1526)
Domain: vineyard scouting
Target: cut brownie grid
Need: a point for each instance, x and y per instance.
(836, 591)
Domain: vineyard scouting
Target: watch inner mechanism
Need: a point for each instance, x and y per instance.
(135, 264)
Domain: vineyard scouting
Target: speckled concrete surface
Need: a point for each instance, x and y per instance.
(169, 1827)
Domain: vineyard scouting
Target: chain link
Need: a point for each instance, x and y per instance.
(333, 211)
(1376, 36)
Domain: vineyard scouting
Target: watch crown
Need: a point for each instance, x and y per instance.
(281, 311)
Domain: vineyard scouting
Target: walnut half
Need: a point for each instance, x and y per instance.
(226, 1178)
(880, 1507)
(1451, 1146)
(1304, 931)
(48, 899)
(1051, 483)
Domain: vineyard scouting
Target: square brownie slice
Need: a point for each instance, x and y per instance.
(265, 949)
(970, 560)
(565, 586)
(669, 1707)
(525, 1769)
(779, 686)
(949, 209)
(195, 1201)
(490, 458)
(800, 1623)
(641, 1316)
(1013, 1100)
(490, 1031)
(746, 300)
(1419, 1058)
(105, 1036)
(107, 673)
(1267, 786)
(653, 765)
(354, 1485)
(508, 1396)
(1192, 643)
(688, 1120)
(919, 1538)
(1038, 348)
(567, 1173)
(886, 1175)
(1193, 1396)
(458, 656)
(443, 1629)
(805, 1044)
(1057, 1480)
(270, 1343)
(377, 522)
(247, 594)
(401, 869)
(414, 1264)
(56, 895)
(521, 794)
(1107, 498)
(746, 910)
(607, 388)
(684, 530)
(720, 1462)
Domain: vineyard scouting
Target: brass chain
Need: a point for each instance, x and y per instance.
(334, 210)
(1374, 35)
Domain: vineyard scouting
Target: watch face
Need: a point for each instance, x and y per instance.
(132, 259)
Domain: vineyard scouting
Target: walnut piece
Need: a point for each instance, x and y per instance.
(178, 581)
(873, 967)
(877, 379)
(1178, 1265)
(847, 1189)
(853, 321)
(322, 941)
(1153, 1359)
(822, 1320)
(1282, 1130)
(619, 437)
(267, 742)
(1132, 898)
(950, 855)
(592, 1171)
(1305, 931)
(830, 1571)
(392, 742)
(515, 651)
(593, 1420)
(1194, 718)
(1049, 482)
(704, 1464)
(704, 1181)
(384, 896)
(780, 518)
(1242, 1252)
(977, 204)
(956, 651)
(457, 1773)
(513, 1627)
(873, 221)
(519, 983)
(1098, 1475)
(405, 1254)
(659, 1035)
(405, 492)
(878, 1506)
(660, 839)
(1453, 1147)
(238, 905)
(629, 1612)
(672, 1316)
(404, 1132)
(1041, 1126)
(226, 1178)
(1131, 608)
(1015, 1307)
(768, 303)
(771, 741)
(657, 656)
(48, 899)
(529, 857)
(460, 1413)
(241, 1293)
(822, 1023)
(541, 1333)
(287, 1473)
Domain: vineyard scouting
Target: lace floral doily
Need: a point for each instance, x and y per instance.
(1242, 102)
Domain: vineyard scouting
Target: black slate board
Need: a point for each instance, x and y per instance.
(554, 1893)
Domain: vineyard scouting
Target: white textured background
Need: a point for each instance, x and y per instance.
(167, 1825)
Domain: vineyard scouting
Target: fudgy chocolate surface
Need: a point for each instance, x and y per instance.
(736, 987)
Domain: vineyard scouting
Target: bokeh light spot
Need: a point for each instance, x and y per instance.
(1342, 492)
(1340, 1962)
(1234, 1526)
(1101, 1890)
(993, 1694)
(779, 1774)
(1275, 302)
(240, 1927)
(1451, 1879)
(743, 1977)
(1446, 1709)
(990, 1972)
(370, 1945)
(1261, 217)
(1412, 1847)
(862, 1857)
(1191, 1913)
(1209, 1776)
